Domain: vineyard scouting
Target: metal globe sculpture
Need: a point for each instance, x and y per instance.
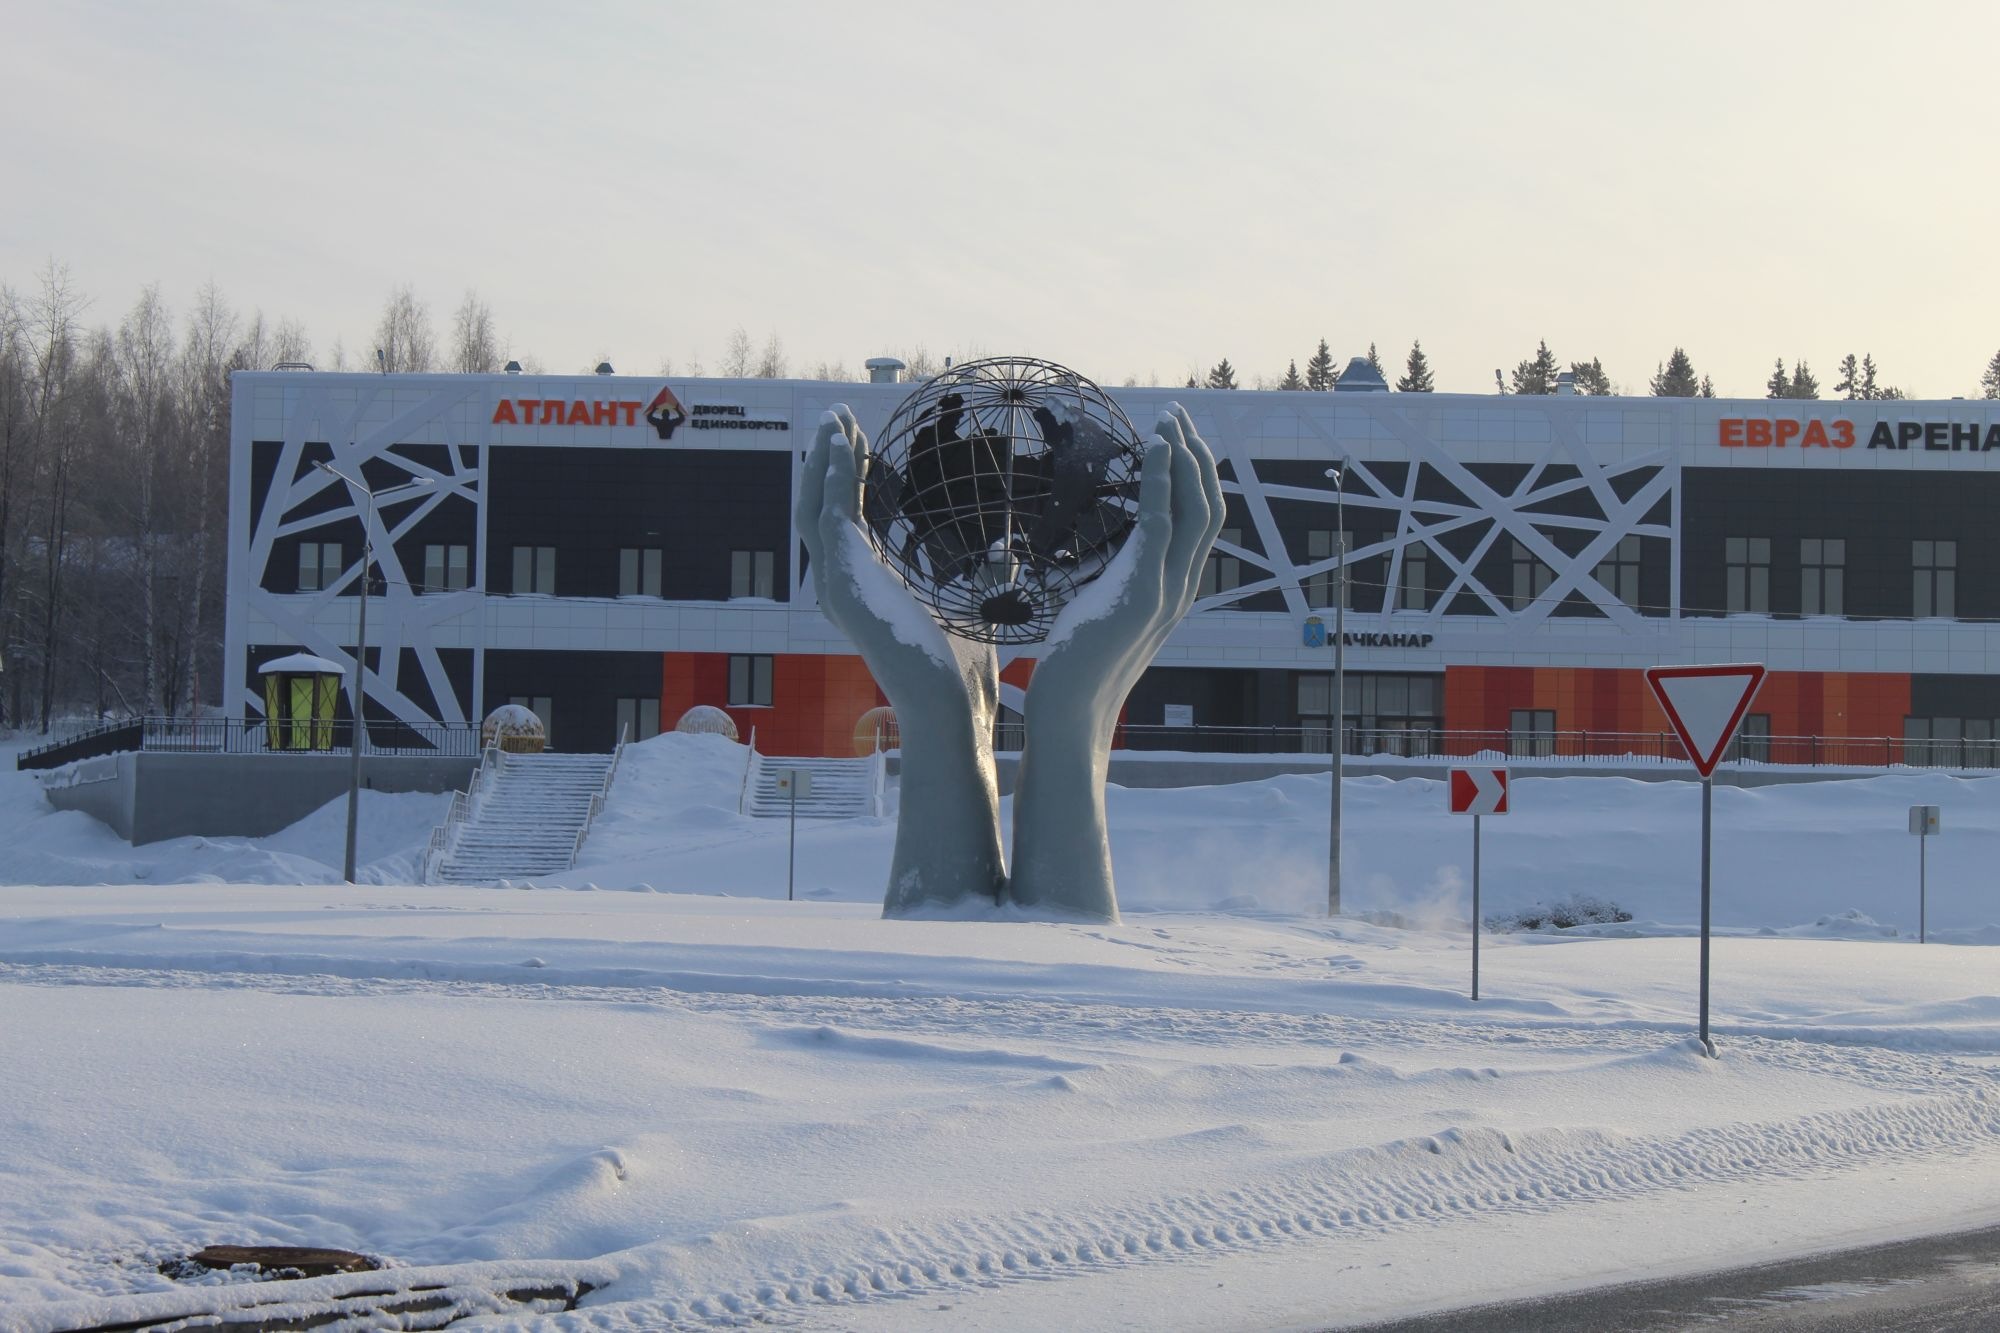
(1000, 488)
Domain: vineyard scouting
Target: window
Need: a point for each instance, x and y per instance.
(1748, 576)
(1753, 739)
(1619, 571)
(1934, 578)
(541, 706)
(1822, 576)
(1223, 572)
(1385, 713)
(750, 681)
(638, 719)
(319, 565)
(1951, 742)
(1320, 587)
(753, 573)
(1414, 592)
(639, 572)
(1531, 577)
(446, 568)
(1531, 732)
(535, 569)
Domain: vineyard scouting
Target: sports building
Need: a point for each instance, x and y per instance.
(612, 551)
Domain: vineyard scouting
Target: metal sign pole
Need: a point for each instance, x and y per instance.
(1707, 808)
(792, 851)
(1923, 887)
(1475, 907)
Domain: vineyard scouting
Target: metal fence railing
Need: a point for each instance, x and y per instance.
(1609, 748)
(235, 735)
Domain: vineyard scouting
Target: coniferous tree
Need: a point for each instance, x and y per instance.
(1320, 374)
(1989, 383)
(1849, 384)
(1803, 383)
(1676, 378)
(1707, 387)
(1417, 377)
(1589, 378)
(1780, 383)
(1193, 383)
(1376, 361)
(1538, 374)
(1292, 380)
(1868, 388)
(1223, 376)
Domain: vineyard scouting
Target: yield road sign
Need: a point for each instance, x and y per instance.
(1479, 791)
(1706, 705)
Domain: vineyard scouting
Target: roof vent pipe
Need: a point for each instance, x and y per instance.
(512, 367)
(1566, 383)
(604, 368)
(883, 369)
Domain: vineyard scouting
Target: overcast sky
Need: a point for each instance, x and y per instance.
(1135, 190)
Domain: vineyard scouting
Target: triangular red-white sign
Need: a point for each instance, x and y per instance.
(1706, 705)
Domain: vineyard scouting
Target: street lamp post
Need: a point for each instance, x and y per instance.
(355, 690)
(1339, 477)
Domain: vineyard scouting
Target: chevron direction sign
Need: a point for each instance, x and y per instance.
(1479, 791)
(1706, 705)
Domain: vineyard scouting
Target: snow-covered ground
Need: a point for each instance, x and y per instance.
(716, 1106)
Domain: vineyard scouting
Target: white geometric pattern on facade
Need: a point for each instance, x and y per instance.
(400, 616)
(1417, 522)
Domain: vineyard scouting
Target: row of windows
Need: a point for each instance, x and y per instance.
(1823, 576)
(1747, 575)
(448, 568)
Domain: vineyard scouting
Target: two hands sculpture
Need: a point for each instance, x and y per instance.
(946, 688)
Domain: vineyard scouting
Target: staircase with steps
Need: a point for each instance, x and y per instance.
(521, 816)
(841, 788)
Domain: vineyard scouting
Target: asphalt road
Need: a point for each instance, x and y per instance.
(1940, 1284)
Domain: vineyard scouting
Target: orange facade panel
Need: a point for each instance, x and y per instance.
(1602, 699)
(816, 699)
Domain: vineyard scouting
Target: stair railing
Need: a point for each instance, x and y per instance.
(751, 768)
(600, 796)
(464, 805)
(878, 793)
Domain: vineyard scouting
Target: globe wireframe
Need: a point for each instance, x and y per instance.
(1000, 488)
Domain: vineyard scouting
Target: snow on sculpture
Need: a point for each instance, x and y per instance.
(1103, 592)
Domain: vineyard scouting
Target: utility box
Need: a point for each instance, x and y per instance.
(1923, 820)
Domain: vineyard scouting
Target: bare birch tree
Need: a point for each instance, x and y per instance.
(404, 341)
(475, 348)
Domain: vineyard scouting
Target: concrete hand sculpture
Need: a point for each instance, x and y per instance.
(945, 688)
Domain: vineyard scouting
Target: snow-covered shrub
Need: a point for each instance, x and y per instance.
(1579, 909)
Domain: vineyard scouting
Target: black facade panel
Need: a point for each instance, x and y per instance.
(583, 689)
(1878, 514)
(1955, 696)
(1220, 697)
(695, 505)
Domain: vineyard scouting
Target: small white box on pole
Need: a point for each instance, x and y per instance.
(795, 782)
(1923, 819)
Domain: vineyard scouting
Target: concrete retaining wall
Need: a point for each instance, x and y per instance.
(149, 796)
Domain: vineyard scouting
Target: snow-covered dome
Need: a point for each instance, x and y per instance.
(302, 664)
(876, 727)
(707, 720)
(515, 729)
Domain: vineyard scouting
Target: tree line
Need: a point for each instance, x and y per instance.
(1542, 373)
